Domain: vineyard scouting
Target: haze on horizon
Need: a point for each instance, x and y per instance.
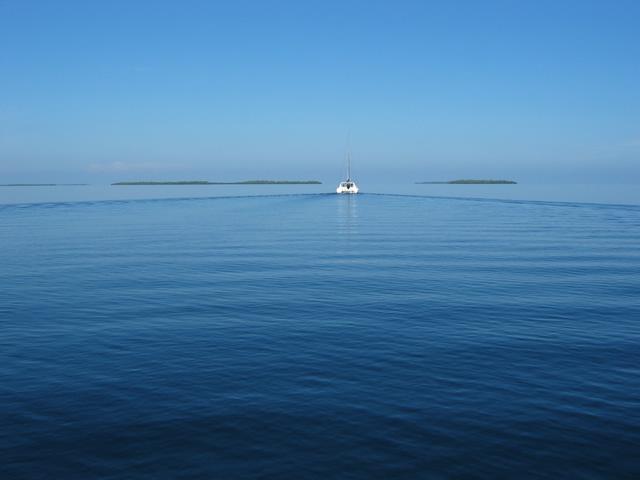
(106, 91)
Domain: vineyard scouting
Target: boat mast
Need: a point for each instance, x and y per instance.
(349, 157)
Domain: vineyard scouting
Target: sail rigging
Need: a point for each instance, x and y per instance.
(348, 186)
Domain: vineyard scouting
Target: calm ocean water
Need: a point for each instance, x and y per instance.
(621, 194)
(319, 336)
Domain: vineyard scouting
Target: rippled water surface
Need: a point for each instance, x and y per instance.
(319, 336)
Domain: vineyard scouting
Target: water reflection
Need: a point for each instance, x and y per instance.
(347, 214)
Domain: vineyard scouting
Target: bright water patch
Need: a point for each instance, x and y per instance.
(319, 336)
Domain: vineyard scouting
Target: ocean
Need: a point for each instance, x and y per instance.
(311, 335)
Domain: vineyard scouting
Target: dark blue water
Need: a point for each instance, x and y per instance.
(319, 336)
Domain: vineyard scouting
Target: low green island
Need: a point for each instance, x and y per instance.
(471, 182)
(206, 182)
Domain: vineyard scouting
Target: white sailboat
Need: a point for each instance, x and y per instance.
(349, 186)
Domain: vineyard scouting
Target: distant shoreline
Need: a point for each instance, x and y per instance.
(470, 182)
(206, 182)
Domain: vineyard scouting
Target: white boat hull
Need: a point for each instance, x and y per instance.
(347, 187)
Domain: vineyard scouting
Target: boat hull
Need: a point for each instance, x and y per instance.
(350, 189)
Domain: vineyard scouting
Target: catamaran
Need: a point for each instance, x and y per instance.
(349, 186)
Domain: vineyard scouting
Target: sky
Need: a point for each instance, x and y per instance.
(537, 91)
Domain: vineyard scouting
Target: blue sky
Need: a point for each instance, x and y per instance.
(537, 91)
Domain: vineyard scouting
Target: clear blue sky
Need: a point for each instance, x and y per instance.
(111, 90)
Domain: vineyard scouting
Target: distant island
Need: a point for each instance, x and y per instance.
(472, 182)
(206, 182)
